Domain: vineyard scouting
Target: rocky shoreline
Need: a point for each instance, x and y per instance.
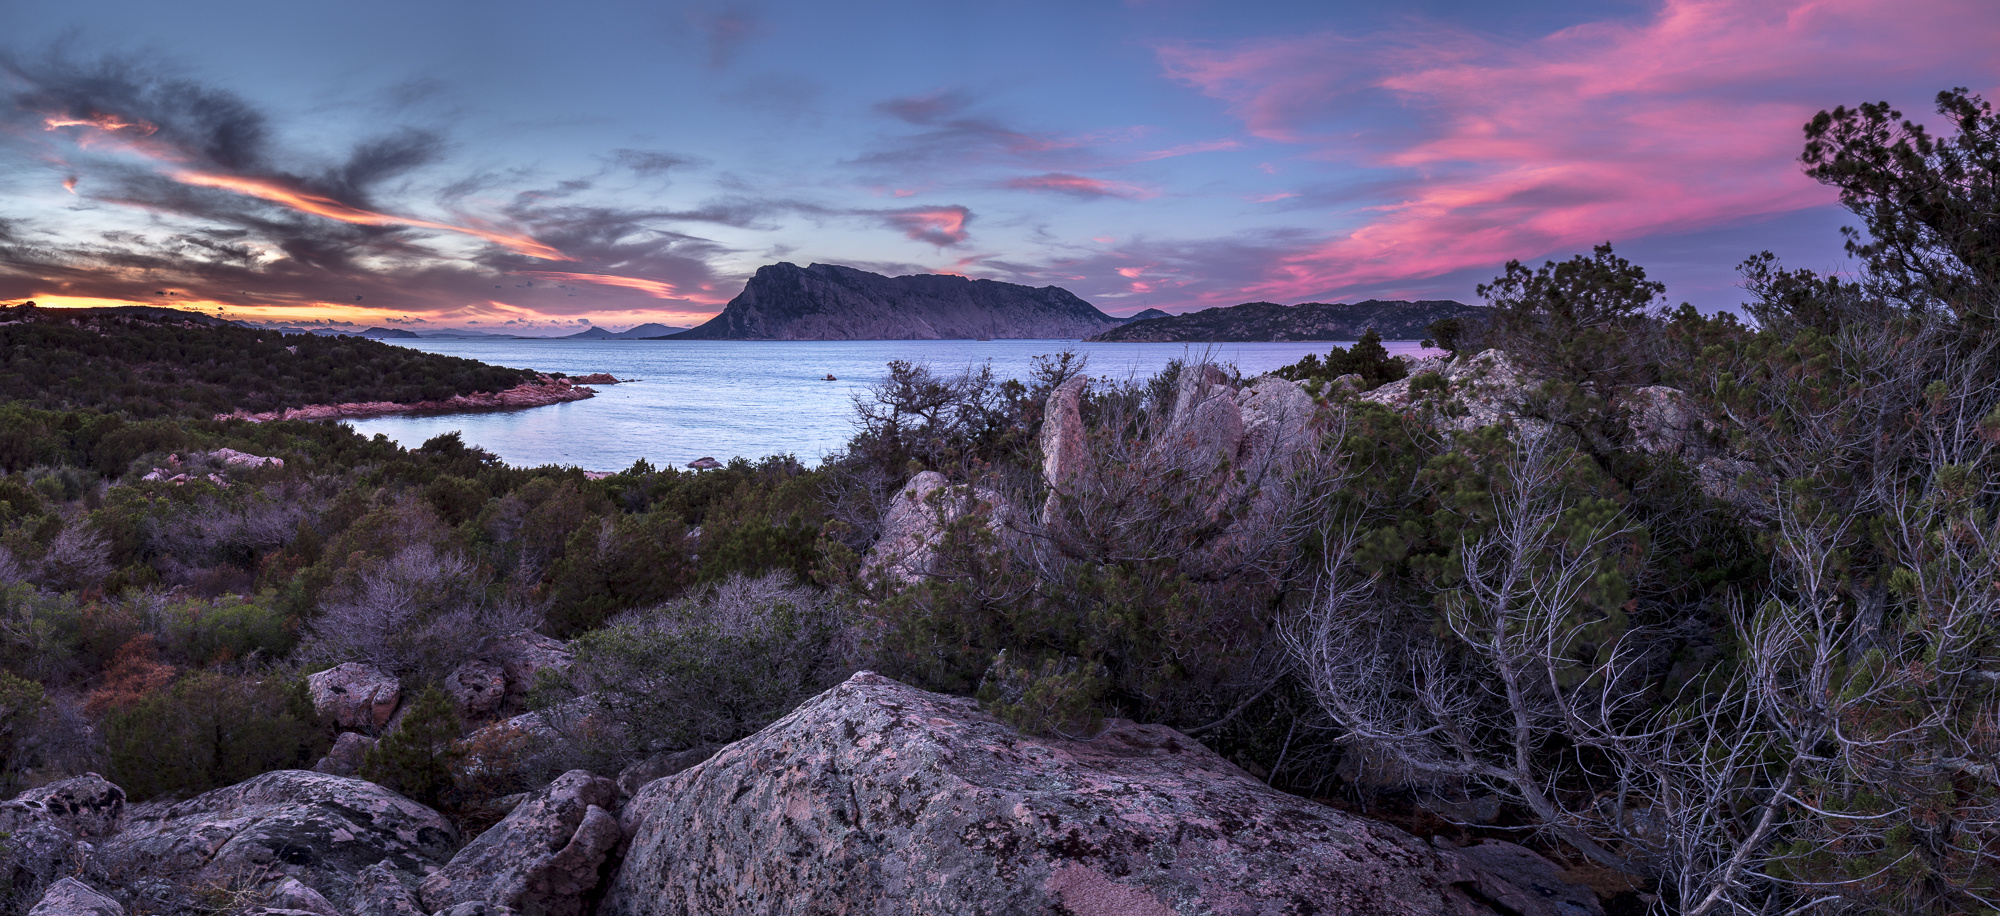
(540, 393)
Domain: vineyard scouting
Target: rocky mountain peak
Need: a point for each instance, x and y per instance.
(784, 301)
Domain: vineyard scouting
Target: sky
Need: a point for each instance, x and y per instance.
(536, 166)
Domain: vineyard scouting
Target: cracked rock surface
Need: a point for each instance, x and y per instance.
(321, 829)
(875, 797)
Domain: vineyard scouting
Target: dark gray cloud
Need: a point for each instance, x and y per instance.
(954, 136)
(378, 160)
(649, 163)
(725, 30)
(213, 126)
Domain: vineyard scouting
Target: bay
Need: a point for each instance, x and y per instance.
(730, 398)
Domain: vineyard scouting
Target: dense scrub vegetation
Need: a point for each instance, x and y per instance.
(147, 362)
(1703, 606)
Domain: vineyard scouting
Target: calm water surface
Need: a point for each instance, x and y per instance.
(727, 398)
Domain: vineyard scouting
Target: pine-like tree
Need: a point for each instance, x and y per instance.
(419, 758)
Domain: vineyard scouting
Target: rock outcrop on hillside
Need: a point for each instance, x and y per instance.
(1462, 394)
(828, 302)
(540, 393)
(875, 797)
(354, 695)
(1269, 321)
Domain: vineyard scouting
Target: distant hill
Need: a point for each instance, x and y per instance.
(643, 332)
(459, 334)
(387, 334)
(1148, 314)
(1269, 321)
(829, 302)
(147, 361)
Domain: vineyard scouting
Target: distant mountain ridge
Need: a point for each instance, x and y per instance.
(642, 332)
(829, 302)
(1269, 321)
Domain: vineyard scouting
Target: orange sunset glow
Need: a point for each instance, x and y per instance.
(104, 122)
(319, 205)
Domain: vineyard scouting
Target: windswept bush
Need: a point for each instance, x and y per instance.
(78, 557)
(416, 613)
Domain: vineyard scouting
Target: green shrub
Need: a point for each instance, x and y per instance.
(228, 628)
(621, 562)
(211, 730)
(1367, 358)
(21, 702)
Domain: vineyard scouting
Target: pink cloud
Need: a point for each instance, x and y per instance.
(1494, 149)
(940, 226)
(1079, 186)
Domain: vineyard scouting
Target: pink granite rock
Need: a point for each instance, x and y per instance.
(355, 695)
(877, 798)
(478, 687)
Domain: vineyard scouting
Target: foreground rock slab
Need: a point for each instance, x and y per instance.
(875, 797)
(320, 829)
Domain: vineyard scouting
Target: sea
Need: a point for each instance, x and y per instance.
(726, 399)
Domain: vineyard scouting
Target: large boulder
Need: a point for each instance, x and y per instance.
(542, 858)
(522, 657)
(354, 695)
(346, 757)
(916, 521)
(290, 894)
(1063, 434)
(321, 829)
(1234, 449)
(70, 897)
(875, 797)
(477, 687)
